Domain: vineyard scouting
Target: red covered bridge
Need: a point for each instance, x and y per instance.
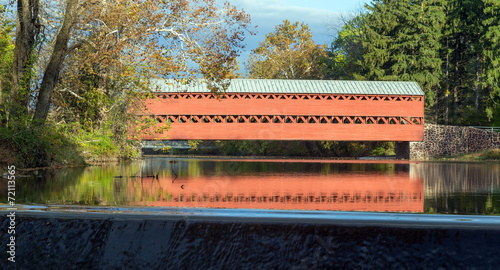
(291, 110)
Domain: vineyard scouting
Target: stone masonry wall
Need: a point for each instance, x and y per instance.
(442, 140)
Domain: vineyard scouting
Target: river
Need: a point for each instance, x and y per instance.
(335, 185)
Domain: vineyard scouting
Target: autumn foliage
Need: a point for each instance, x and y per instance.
(287, 53)
(88, 63)
(120, 45)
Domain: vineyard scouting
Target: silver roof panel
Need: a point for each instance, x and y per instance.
(298, 87)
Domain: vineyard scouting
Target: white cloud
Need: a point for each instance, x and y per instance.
(269, 13)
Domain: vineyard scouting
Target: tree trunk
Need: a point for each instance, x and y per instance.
(27, 30)
(51, 74)
(476, 99)
(446, 110)
(436, 107)
(309, 147)
(1, 92)
(447, 84)
(456, 82)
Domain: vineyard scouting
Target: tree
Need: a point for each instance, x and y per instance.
(450, 47)
(168, 39)
(90, 62)
(54, 66)
(346, 52)
(491, 39)
(403, 41)
(287, 53)
(463, 51)
(6, 57)
(27, 30)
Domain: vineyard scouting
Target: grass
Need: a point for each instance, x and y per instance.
(37, 147)
(488, 155)
(55, 145)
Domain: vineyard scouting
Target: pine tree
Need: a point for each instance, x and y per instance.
(491, 39)
(464, 61)
(379, 33)
(403, 41)
(450, 47)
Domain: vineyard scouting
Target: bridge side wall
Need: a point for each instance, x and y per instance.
(440, 140)
(313, 132)
(267, 116)
(286, 104)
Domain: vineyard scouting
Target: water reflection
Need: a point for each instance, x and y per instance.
(355, 192)
(461, 188)
(272, 184)
(232, 184)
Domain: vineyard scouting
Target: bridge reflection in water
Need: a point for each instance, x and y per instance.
(342, 191)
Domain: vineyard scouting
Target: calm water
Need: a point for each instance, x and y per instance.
(455, 188)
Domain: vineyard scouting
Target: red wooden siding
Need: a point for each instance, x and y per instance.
(247, 116)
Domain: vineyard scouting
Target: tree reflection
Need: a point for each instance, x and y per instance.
(461, 188)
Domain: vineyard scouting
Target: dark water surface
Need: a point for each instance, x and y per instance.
(374, 186)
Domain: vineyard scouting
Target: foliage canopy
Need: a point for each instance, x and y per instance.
(89, 62)
(287, 53)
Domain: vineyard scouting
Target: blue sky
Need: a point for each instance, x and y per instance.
(317, 14)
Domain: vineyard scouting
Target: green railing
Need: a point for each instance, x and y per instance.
(494, 129)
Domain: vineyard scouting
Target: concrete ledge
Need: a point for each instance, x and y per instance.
(158, 238)
(405, 220)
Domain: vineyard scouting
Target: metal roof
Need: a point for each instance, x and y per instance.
(297, 87)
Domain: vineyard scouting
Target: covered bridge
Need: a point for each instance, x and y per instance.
(257, 109)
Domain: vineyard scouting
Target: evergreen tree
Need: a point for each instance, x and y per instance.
(450, 47)
(491, 39)
(463, 61)
(403, 41)
(379, 33)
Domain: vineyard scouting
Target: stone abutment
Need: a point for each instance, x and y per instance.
(440, 140)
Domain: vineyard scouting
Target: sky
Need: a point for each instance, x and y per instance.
(319, 15)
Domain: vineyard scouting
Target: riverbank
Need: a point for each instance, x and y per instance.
(491, 155)
(62, 144)
(7, 158)
(483, 156)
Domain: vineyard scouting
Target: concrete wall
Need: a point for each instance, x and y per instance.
(442, 140)
(73, 241)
